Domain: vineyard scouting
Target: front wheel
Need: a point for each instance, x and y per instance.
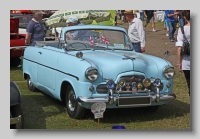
(73, 108)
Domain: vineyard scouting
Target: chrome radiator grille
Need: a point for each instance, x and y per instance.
(102, 89)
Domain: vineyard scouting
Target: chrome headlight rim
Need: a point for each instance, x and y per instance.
(166, 72)
(91, 74)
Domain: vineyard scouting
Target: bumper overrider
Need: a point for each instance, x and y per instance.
(132, 99)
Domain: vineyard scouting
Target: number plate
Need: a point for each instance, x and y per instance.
(131, 101)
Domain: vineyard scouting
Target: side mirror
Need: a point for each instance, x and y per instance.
(166, 54)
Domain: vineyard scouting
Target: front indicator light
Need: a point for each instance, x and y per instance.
(168, 85)
(91, 88)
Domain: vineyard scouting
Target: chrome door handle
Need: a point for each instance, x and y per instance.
(40, 52)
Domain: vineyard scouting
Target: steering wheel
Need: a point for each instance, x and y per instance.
(79, 43)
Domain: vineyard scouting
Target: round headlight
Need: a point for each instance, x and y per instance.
(168, 72)
(146, 82)
(91, 74)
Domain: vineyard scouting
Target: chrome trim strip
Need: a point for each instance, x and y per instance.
(92, 99)
(106, 99)
(130, 92)
(52, 68)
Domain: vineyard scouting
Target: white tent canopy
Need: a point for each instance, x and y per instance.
(81, 14)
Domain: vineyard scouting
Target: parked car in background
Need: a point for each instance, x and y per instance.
(99, 66)
(16, 112)
(21, 11)
(23, 19)
(17, 42)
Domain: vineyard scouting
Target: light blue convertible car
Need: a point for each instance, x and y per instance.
(89, 64)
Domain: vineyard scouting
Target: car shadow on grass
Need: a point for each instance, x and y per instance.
(38, 108)
(173, 109)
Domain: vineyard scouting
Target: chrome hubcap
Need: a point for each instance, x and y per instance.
(72, 100)
(29, 82)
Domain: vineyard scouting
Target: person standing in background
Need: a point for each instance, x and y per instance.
(116, 15)
(35, 29)
(183, 61)
(181, 18)
(166, 26)
(123, 17)
(141, 15)
(176, 19)
(136, 31)
(83, 35)
(119, 14)
(149, 14)
(171, 22)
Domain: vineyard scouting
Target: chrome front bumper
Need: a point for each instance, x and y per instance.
(154, 98)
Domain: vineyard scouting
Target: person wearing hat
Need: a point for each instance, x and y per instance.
(83, 35)
(35, 28)
(136, 31)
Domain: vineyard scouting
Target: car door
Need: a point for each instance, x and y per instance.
(47, 68)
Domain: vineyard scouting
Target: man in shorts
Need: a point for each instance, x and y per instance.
(149, 14)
